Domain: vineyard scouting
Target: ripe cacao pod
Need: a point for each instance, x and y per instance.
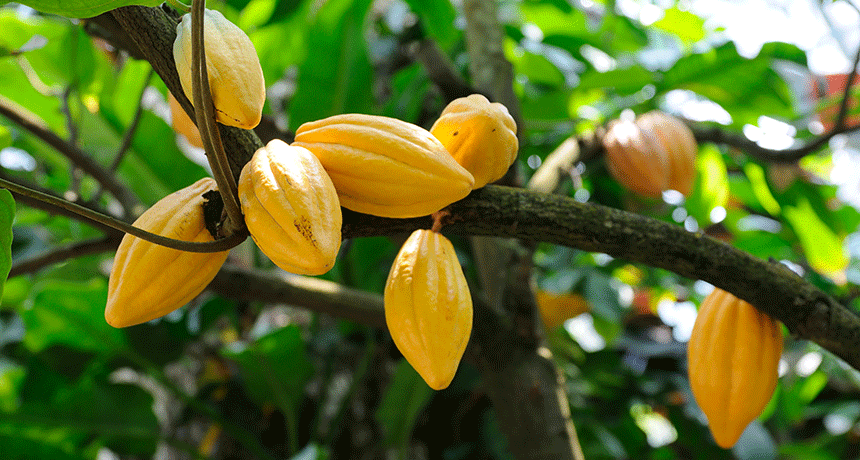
(656, 152)
(235, 76)
(480, 135)
(182, 123)
(148, 280)
(733, 360)
(555, 309)
(428, 307)
(384, 166)
(291, 208)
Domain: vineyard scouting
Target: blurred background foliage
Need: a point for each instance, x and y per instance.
(230, 380)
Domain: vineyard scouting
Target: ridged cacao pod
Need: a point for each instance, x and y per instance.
(733, 360)
(148, 280)
(656, 152)
(480, 135)
(555, 309)
(291, 208)
(384, 166)
(428, 308)
(182, 123)
(235, 76)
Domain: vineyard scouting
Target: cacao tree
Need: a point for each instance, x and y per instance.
(655, 161)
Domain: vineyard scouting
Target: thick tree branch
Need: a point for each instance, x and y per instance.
(78, 157)
(846, 93)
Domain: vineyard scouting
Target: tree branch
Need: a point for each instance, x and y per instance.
(846, 93)
(720, 136)
(79, 158)
(63, 253)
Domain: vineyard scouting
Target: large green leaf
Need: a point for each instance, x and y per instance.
(823, 249)
(71, 314)
(275, 368)
(437, 17)
(682, 24)
(712, 185)
(7, 216)
(401, 404)
(335, 76)
(81, 8)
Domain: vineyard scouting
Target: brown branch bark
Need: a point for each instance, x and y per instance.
(63, 253)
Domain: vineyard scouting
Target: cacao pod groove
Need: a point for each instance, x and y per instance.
(428, 308)
(480, 135)
(384, 166)
(291, 208)
(148, 280)
(733, 360)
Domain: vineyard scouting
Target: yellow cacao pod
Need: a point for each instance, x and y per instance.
(147, 280)
(182, 123)
(679, 144)
(480, 135)
(656, 152)
(235, 76)
(291, 208)
(733, 360)
(555, 309)
(428, 308)
(384, 166)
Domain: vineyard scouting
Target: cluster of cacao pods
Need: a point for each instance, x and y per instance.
(733, 360)
(653, 153)
(291, 198)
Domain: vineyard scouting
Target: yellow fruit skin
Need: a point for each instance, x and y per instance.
(555, 309)
(733, 359)
(656, 152)
(428, 308)
(147, 280)
(235, 76)
(384, 166)
(182, 123)
(480, 135)
(291, 208)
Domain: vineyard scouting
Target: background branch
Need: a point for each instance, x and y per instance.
(63, 253)
(78, 157)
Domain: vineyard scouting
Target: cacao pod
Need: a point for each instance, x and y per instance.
(235, 76)
(428, 308)
(555, 309)
(291, 208)
(384, 166)
(182, 123)
(148, 280)
(733, 360)
(656, 152)
(480, 135)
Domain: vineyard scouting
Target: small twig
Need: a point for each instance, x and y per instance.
(846, 95)
(128, 137)
(126, 197)
(212, 246)
(63, 253)
(720, 136)
(209, 132)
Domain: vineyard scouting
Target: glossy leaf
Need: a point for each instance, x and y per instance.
(81, 8)
(823, 249)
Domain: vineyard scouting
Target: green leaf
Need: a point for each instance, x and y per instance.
(712, 184)
(823, 248)
(401, 404)
(7, 216)
(624, 81)
(71, 314)
(275, 368)
(437, 18)
(81, 8)
(761, 190)
(682, 24)
(336, 75)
